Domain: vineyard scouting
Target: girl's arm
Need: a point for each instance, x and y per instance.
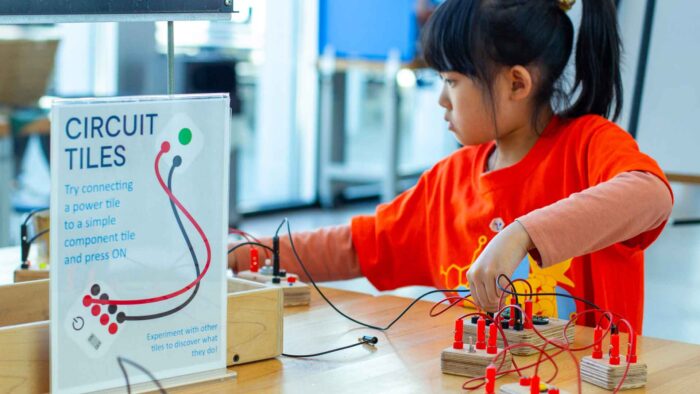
(611, 212)
(614, 211)
(327, 253)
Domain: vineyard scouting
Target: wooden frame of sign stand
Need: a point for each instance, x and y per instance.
(254, 330)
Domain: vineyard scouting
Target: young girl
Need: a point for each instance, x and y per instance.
(543, 190)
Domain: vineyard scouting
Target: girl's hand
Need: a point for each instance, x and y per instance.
(501, 256)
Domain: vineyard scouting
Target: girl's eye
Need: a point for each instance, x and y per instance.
(449, 82)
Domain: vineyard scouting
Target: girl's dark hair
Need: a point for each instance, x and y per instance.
(476, 37)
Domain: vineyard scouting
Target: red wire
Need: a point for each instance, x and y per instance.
(196, 226)
(248, 237)
(457, 300)
(562, 347)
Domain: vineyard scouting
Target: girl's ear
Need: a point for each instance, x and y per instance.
(520, 81)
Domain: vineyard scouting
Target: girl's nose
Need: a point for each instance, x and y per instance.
(444, 100)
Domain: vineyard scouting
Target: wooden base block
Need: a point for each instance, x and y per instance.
(462, 362)
(25, 275)
(600, 373)
(254, 330)
(515, 388)
(297, 293)
(553, 330)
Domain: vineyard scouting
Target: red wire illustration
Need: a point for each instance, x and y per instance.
(87, 300)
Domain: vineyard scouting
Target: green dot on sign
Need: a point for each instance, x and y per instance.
(185, 136)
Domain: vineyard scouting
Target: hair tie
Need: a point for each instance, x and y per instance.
(566, 5)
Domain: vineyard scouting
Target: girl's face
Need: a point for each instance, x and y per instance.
(468, 112)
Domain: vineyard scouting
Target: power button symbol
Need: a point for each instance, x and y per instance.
(78, 323)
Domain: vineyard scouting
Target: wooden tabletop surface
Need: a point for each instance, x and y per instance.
(407, 358)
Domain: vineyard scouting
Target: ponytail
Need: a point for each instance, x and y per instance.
(598, 50)
(476, 37)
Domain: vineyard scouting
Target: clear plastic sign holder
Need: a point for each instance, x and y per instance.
(93, 11)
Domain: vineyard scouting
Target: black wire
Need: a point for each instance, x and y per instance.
(514, 293)
(192, 253)
(32, 213)
(285, 220)
(511, 285)
(32, 239)
(303, 267)
(363, 342)
(121, 360)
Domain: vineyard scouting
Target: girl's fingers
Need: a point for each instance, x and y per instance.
(483, 296)
(491, 294)
(471, 282)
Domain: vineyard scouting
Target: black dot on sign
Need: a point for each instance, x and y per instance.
(236, 358)
(112, 309)
(95, 290)
(104, 296)
(121, 317)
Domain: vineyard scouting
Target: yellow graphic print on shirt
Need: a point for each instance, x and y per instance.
(547, 280)
(455, 275)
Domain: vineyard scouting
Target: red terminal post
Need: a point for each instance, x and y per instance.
(512, 312)
(525, 381)
(528, 314)
(459, 335)
(254, 260)
(632, 352)
(598, 346)
(481, 333)
(615, 349)
(291, 280)
(490, 386)
(535, 385)
(493, 336)
(553, 390)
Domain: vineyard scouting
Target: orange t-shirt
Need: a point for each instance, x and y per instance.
(432, 233)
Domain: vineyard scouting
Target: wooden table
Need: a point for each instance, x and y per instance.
(407, 358)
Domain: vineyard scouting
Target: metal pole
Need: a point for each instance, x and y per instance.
(171, 57)
(642, 63)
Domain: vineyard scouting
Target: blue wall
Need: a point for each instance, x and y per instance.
(368, 29)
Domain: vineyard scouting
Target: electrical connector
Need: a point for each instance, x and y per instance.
(535, 385)
(528, 314)
(276, 256)
(481, 333)
(632, 352)
(254, 260)
(525, 381)
(615, 349)
(493, 336)
(368, 340)
(459, 334)
(598, 346)
(490, 386)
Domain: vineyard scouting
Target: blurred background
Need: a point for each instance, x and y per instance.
(333, 112)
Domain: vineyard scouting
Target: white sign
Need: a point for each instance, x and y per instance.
(139, 212)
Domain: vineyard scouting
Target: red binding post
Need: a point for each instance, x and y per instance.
(632, 358)
(528, 314)
(615, 349)
(459, 335)
(481, 333)
(493, 336)
(490, 386)
(598, 346)
(254, 260)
